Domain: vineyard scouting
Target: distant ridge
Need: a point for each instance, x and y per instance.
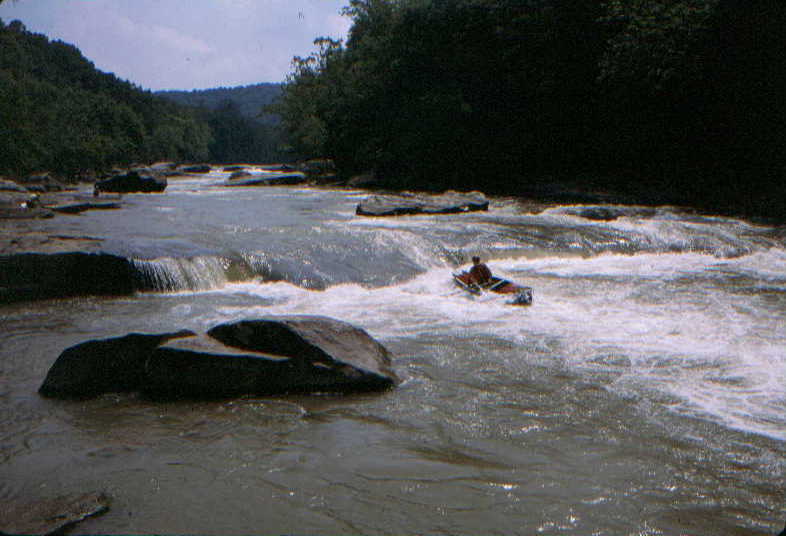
(248, 100)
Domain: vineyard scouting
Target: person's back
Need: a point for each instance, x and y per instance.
(479, 273)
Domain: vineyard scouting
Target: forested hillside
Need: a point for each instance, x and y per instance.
(242, 131)
(676, 100)
(59, 113)
(249, 101)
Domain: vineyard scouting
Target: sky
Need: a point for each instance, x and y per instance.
(186, 44)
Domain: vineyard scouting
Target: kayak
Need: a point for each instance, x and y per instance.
(521, 295)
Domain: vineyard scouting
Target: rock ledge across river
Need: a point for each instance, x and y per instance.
(265, 356)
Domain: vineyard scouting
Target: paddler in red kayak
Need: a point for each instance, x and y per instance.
(479, 273)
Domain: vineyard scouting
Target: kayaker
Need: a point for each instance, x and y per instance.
(479, 273)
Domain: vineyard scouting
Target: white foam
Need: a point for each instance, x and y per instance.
(720, 360)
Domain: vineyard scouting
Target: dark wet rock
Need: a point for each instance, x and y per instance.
(42, 182)
(237, 175)
(134, 181)
(162, 170)
(271, 355)
(409, 203)
(52, 516)
(608, 213)
(202, 367)
(341, 353)
(599, 214)
(198, 168)
(279, 167)
(11, 186)
(35, 276)
(235, 167)
(103, 366)
(266, 178)
(366, 180)
(318, 166)
(77, 205)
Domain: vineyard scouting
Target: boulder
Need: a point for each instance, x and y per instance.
(266, 356)
(136, 180)
(202, 367)
(279, 167)
(42, 182)
(409, 203)
(266, 178)
(36, 276)
(332, 354)
(318, 167)
(235, 167)
(608, 213)
(50, 516)
(366, 180)
(198, 168)
(103, 366)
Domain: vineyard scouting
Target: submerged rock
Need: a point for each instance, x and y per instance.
(608, 212)
(271, 355)
(448, 203)
(52, 516)
(137, 180)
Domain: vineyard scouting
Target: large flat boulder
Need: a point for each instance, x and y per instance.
(202, 367)
(329, 352)
(410, 203)
(76, 204)
(134, 181)
(103, 366)
(267, 356)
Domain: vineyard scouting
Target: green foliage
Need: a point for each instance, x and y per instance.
(58, 113)
(655, 42)
(238, 138)
(678, 100)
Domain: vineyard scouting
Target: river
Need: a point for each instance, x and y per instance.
(643, 393)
